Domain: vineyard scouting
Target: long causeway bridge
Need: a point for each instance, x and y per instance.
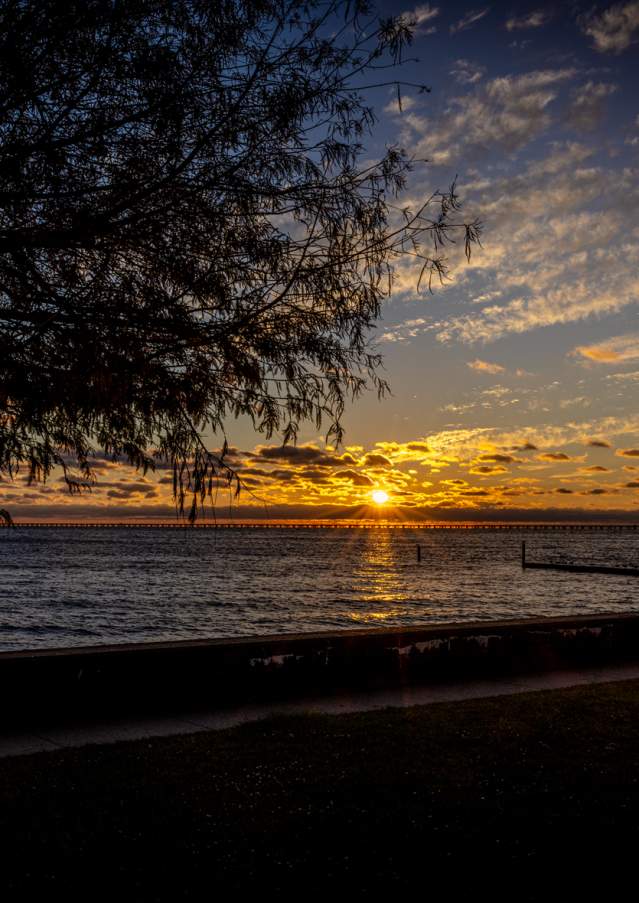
(336, 525)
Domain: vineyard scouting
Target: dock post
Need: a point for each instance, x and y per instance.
(419, 553)
(523, 553)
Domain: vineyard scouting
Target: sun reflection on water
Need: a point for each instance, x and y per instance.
(368, 616)
(379, 579)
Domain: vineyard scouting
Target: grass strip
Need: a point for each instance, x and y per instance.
(531, 788)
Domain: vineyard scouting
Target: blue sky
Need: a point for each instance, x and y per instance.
(535, 108)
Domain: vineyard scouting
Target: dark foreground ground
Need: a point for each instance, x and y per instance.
(531, 797)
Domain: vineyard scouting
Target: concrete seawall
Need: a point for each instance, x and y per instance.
(162, 677)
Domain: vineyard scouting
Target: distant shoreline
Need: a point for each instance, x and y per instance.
(531, 526)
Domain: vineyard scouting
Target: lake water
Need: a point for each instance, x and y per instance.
(69, 587)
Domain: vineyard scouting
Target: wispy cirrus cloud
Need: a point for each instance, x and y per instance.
(615, 350)
(587, 105)
(561, 305)
(472, 17)
(420, 16)
(632, 376)
(405, 330)
(506, 113)
(546, 239)
(534, 19)
(466, 72)
(463, 442)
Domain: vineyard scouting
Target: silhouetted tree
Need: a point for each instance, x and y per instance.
(185, 232)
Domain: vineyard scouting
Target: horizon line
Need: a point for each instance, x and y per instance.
(328, 524)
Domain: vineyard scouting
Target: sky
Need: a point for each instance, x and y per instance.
(514, 385)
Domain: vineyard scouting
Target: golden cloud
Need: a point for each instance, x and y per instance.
(357, 479)
(485, 367)
(488, 469)
(374, 460)
(612, 351)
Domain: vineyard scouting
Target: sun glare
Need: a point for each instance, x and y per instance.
(379, 496)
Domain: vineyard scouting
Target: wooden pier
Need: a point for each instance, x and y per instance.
(575, 568)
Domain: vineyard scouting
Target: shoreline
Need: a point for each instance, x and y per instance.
(82, 682)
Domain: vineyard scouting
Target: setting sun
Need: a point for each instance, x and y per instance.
(379, 496)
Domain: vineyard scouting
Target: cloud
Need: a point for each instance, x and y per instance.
(613, 351)
(545, 261)
(487, 469)
(310, 476)
(295, 454)
(587, 107)
(286, 476)
(125, 492)
(466, 72)
(375, 460)
(407, 329)
(624, 377)
(396, 106)
(421, 15)
(542, 248)
(485, 366)
(598, 443)
(615, 29)
(403, 452)
(357, 479)
(461, 444)
(534, 19)
(127, 487)
(564, 158)
(563, 305)
(471, 18)
(506, 113)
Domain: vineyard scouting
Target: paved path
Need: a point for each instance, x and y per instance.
(113, 731)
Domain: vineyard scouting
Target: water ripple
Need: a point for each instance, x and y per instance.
(60, 586)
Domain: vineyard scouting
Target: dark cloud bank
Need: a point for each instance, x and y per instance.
(330, 513)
